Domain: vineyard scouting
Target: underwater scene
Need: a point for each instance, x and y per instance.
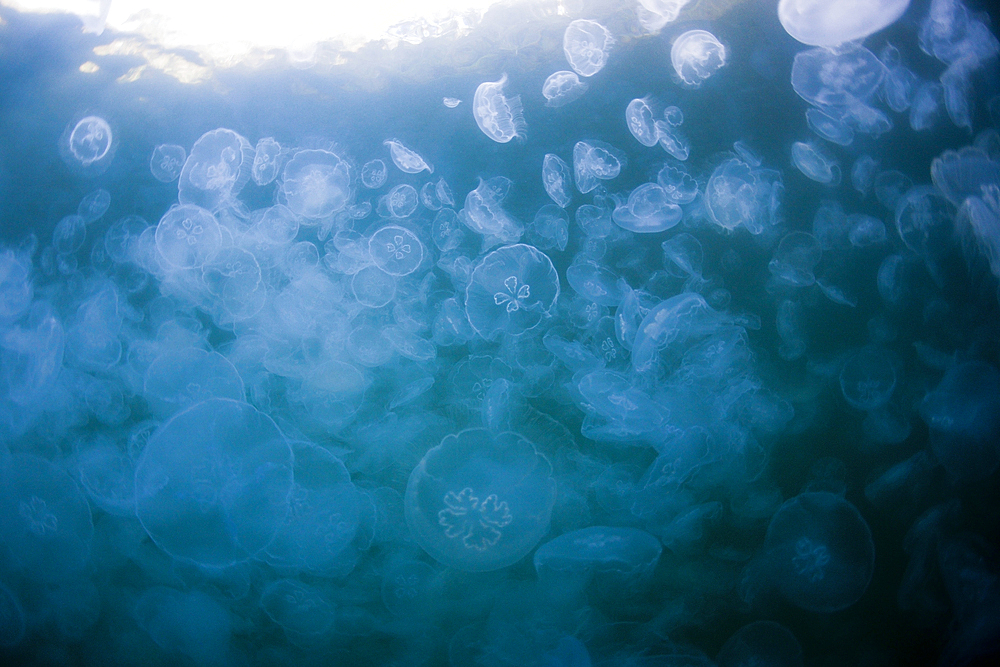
(541, 333)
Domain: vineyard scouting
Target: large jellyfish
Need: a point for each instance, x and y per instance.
(499, 117)
(480, 501)
(316, 183)
(825, 23)
(166, 162)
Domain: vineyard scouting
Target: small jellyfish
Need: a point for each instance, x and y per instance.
(640, 120)
(166, 162)
(501, 118)
(595, 161)
(649, 210)
(829, 127)
(216, 169)
(451, 102)
(407, 160)
(302, 611)
(925, 220)
(672, 141)
(373, 174)
(396, 250)
(446, 230)
(586, 45)
(480, 501)
(406, 587)
(373, 287)
(435, 196)
(550, 228)
(400, 202)
(795, 259)
(814, 163)
(561, 88)
(868, 378)
(820, 23)
(594, 282)
(863, 173)
(673, 116)
(556, 177)
(88, 146)
(94, 205)
(266, 161)
(69, 234)
(697, 55)
(684, 253)
(316, 183)
(678, 185)
(187, 236)
(738, 194)
(511, 291)
(865, 230)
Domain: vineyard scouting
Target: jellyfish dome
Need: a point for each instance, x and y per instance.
(88, 146)
(216, 169)
(480, 501)
(697, 55)
(825, 23)
(561, 88)
(500, 117)
(587, 44)
(316, 183)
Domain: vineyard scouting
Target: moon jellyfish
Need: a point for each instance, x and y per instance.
(69, 234)
(406, 587)
(594, 161)
(187, 236)
(868, 379)
(814, 163)
(373, 287)
(316, 183)
(672, 141)
(216, 169)
(586, 45)
(511, 290)
(674, 320)
(561, 88)
(678, 185)
(829, 127)
(181, 377)
(212, 484)
(88, 147)
(640, 120)
(45, 521)
(266, 161)
(761, 643)
(649, 210)
(407, 160)
(818, 553)
(166, 162)
(451, 102)
(302, 611)
(826, 78)
(480, 501)
(795, 259)
(824, 23)
(557, 178)
(498, 116)
(738, 194)
(400, 202)
(396, 250)
(483, 212)
(697, 55)
(373, 174)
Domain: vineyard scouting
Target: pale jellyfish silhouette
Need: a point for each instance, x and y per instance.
(498, 116)
(302, 611)
(88, 147)
(181, 377)
(187, 236)
(396, 250)
(795, 259)
(761, 643)
(511, 290)
(266, 161)
(480, 501)
(868, 378)
(648, 210)
(678, 185)
(557, 179)
(696, 55)
(738, 194)
(654, 14)
(824, 23)
(407, 160)
(641, 121)
(595, 161)
(815, 163)
(166, 162)
(216, 169)
(400, 202)
(586, 45)
(483, 212)
(316, 183)
(561, 88)
(451, 102)
(373, 174)
(839, 78)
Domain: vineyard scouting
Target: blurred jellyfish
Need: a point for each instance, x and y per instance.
(266, 161)
(697, 55)
(181, 377)
(738, 194)
(829, 127)
(498, 116)
(512, 289)
(863, 173)
(373, 174)
(396, 250)
(451, 102)
(302, 611)
(407, 160)
(216, 169)
(595, 161)
(192, 624)
(814, 163)
(821, 23)
(586, 45)
(166, 162)
(868, 378)
(88, 146)
(561, 88)
(187, 236)
(761, 643)
(316, 183)
(556, 177)
(479, 501)
(795, 258)
(684, 252)
(839, 78)
(649, 210)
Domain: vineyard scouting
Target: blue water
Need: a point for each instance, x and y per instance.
(290, 428)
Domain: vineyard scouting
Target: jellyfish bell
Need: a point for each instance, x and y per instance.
(696, 55)
(825, 23)
(88, 145)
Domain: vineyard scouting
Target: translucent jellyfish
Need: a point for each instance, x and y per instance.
(367, 345)
(406, 587)
(890, 186)
(69, 234)
(595, 161)
(550, 228)
(480, 501)
(511, 291)
(451, 102)
(814, 163)
(964, 174)
(31, 356)
(400, 202)
(410, 345)
(829, 127)
(498, 116)
(818, 552)
(678, 185)
(216, 169)
(795, 259)
(674, 320)
(484, 214)
(737, 194)
(266, 161)
(407, 160)
(45, 522)
(868, 378)
(672, 141)
(826, 78)
(435, 196)
(212, 484)
(12, 619)
(594, 282)
(190, 623)
(181, 377)
(821, 23)
(640, 119)
(166, 162)
(316, 183)
(373, 174)
(616, 561)
(673, 116)
(16, 289)
(302, 611)
(330, 519)
(561, 88)
(187, 236)
(865, 230)
(88, 146)
(697, 55)
(963, 414)
(446, 230)
(396, 250)
(556, 177)
(649, 210)
(684, 253)
(761, 643)
(373, 287)
(587, 45)
(925, 109)
(863, 173)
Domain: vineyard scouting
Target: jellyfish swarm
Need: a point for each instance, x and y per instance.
(587, 44)
(817, 553)
(480, 501)
(511, 291)
(88, 146)
(212, 483)
(696, 55)
(825, 23)
(216, 169)
(316, 183)
(561, 88)
(498, 116)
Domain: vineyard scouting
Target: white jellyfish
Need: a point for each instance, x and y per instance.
(396, 250)
(373, 174)
(407, 160)
(561, 88)
(88, 146)
(595, 161)
(316, 183)
(696, 55)
(266, 161)
(498, 116)
(557, 178)
(648, 210)
(216, 169)
(451, 102)
(640, 119)
(825, 23)
(814, 163)
(587, 44)
(166, 162)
